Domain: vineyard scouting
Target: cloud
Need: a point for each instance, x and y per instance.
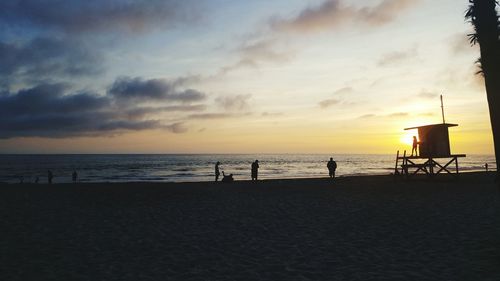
(177, 128)
(141, 112)
(397, 57)
(51, 110)
(367, 116)
(138, 89)
(344, 91)
(74, 16)
(427, 94)
(398, 114)
(329, 102)
(334, 13)
(47, 57)
(334, 101)
(210, 116)
(217, 115)
(234, 103)
(255, 53)
(272, 114)
(263, 51)
(329, 15)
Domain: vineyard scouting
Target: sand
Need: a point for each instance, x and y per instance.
(360, 228)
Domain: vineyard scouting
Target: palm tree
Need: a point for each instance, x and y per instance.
(484, 18)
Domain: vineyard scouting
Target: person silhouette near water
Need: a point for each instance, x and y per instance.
(217, 172)
(255, 170)
(74, 176)
(332, 166)
(50, 176)
(415, 146)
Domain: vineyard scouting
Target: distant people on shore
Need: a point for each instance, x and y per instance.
(50, 176)
(74, 176)
(255, 170)
(332, 166)
(228, 178)
(415, 146)
(217, 172)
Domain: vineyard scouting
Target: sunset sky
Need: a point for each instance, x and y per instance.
(225, 76)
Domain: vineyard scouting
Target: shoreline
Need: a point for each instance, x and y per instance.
(342, 178)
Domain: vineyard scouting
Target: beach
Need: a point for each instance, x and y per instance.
(355, 228)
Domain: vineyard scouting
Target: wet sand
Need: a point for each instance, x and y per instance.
(360, 228)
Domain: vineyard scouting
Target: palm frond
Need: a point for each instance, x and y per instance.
(472, 38)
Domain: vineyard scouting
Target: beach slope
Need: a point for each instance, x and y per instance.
(358, 228)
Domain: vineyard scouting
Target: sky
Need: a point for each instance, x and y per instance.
(227, 76)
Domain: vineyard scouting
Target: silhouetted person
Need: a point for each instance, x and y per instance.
(37, 179)
(255, 170)
(414, 147)
(217, 172)
(21, 179)
(228, 178)
(486, 166)
(332, 166)
(74, 176)
(50, 176)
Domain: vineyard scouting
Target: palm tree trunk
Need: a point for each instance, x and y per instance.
(484, 18)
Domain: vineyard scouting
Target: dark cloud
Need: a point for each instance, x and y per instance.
(334, 13)
(47, 57)
(50, 110)
(138, 89)
(76, 16)
(140, 112)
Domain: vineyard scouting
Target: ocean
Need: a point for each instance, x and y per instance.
(198, 167)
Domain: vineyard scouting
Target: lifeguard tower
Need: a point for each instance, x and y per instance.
(434, 143)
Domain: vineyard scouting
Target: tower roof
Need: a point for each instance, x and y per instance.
(447, 125)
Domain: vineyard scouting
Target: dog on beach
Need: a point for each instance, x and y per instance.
(228, 178)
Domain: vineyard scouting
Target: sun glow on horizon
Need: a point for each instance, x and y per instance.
(407, 137)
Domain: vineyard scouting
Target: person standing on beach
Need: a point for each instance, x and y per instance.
(332, 166)
(217, 172)
(255, 170)
(414, 147)
(74, 176)
(50, 176)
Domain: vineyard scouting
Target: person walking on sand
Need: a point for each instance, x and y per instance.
(415, 146)
(74, 176)
(332, 166)
(255, 170)
(50, 176)
(217, 172)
